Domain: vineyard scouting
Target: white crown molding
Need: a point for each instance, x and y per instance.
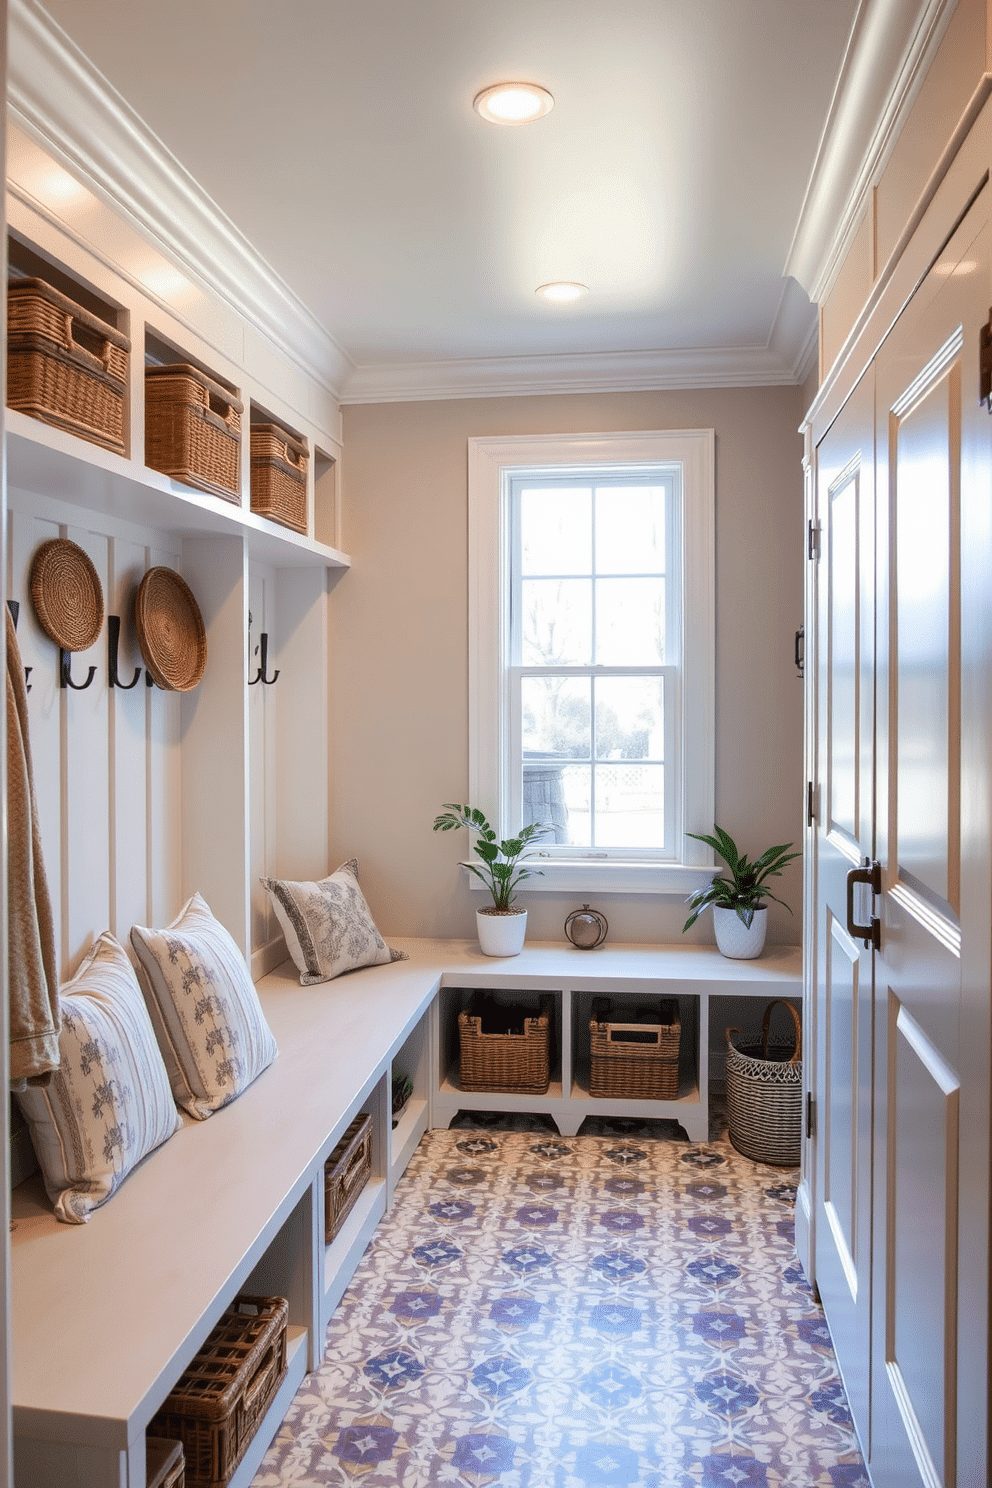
(594, 372)
(795, 331)
(890, 47)
(60, 99)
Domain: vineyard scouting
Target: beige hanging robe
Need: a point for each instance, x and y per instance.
(34, 1005)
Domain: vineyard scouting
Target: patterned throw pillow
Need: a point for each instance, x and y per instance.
(109, 1102)
(203, 1003)
(328, 925)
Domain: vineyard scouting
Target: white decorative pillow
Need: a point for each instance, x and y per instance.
(328, 925)
(109, 1102)
(203, 1003)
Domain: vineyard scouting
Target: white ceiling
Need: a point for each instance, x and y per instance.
(339, 137)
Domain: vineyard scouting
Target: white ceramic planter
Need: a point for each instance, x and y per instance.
(501, 934)
(735, 939)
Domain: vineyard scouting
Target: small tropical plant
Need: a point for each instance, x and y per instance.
(744, 891)
(501, 869)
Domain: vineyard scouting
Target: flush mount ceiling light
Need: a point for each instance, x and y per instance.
(513, 103)
(561, 292)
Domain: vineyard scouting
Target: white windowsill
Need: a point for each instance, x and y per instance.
(606, 877)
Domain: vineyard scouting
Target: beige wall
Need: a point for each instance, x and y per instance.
(399, 655)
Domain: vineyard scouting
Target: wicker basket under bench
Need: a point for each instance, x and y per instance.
(636, 1060)
(165, 1465)
(218, 1403)
(346, 1173)
(512, 1062)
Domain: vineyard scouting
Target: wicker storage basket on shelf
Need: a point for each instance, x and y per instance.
(65, 365)
(193, 429)
(279, 476)
(515, 1061)
(165, 1465)
(636, 1060)
(765, 1094)
(346, 1173)
(217, 1404)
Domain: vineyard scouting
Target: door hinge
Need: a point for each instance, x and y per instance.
(813, 539)
(810, 804)
(810, 1115)
(985, 364)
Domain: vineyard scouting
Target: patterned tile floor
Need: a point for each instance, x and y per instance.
(547, 1312)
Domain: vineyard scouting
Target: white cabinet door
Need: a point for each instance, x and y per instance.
(934, 802)
(844, 839)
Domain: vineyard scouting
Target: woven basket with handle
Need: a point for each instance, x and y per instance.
(193, 429)
(505, 1061)
(765, 1094)
(279, 476)
(65, 366)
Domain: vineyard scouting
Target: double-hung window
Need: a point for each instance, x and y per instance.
(591, 632)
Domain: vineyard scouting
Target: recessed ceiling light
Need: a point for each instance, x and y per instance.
(561, 292)
(513, 103)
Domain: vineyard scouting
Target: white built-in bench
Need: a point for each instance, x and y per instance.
(106, 1316)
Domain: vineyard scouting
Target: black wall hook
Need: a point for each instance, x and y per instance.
(113, 643)
(65, 672)
(263, 647)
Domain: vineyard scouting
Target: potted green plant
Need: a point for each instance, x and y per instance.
(502, 925)
(739, 912)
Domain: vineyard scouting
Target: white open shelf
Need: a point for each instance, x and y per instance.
(413, 1122)
(43, 460)
(345, 1250)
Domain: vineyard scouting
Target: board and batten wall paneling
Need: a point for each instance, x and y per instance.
(305, 767)
(288, 744)
(215, 811)
(262, 762)
(106, 759)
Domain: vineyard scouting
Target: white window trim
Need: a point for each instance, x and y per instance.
(488, 459)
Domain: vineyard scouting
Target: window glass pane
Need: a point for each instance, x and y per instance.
(630, 530)
(555, 718)
(630, 622)
(630, 805)
(630, 718)
(556, 622)
(575, 780)
(556, 531)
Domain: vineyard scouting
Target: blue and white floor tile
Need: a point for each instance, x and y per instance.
(548, 1312)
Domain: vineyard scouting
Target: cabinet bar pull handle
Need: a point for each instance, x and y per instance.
(870, 874)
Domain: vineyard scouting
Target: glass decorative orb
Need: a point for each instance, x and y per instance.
(586, 928)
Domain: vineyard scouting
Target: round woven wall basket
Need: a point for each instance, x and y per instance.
(66, 594)
(765, 1095)
(170, 630)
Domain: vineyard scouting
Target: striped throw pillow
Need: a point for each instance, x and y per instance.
(109, 1103)
(206, 1012)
